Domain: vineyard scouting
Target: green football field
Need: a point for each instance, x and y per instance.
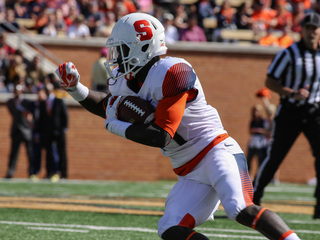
(74, 209)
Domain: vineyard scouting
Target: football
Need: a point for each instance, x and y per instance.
(135, 110)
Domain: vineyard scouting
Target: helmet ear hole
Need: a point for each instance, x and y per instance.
(145, 48)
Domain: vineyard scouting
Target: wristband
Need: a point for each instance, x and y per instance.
(79, 93)
(118, 127)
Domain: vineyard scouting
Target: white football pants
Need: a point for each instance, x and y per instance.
(222, 175)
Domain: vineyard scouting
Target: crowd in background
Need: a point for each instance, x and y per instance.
(183, 21)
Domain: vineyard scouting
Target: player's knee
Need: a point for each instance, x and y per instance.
(232, 210)
(182, 233)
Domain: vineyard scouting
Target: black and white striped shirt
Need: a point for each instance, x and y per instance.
(297, 67)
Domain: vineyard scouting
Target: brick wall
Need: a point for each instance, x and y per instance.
(229, 81)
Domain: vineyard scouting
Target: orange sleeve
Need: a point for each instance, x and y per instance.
(170, 110)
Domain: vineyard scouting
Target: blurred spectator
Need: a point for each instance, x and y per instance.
(158, 13)
(21, 54)
(243, 14)
(16, 72)
(41, 20)
(226, 19)
(4, 64)
(53, 4)
(180, 16)
(54, 123)
(130, 6)
(206, 9)
(193, 32)
(106, 29)
(306, 3)
(35, 7)
(3, 44)
(37, 133)
(72, 7)
(269, 39)
(285, 40)
(106, 5)
(78, 29)
(21, 9)
(99, 75)
(69, 19)
(9, 24)
(95, 18)
(258, 141)
(170, 31)
(21, 132)
(35, 71)
(50, 29)
(61, 25)
(298, 16)
(226, 16)
(145, 6)
(284, 17)
(30, 87)
(262, 16)
(120, 10)
(270, 110)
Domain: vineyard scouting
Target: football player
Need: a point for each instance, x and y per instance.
(210, 165)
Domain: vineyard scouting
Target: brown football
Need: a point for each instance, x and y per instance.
(135, 110)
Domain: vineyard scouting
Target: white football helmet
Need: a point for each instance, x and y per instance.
(135, 39)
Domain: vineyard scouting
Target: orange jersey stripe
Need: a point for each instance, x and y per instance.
(256, 219)
(189, 166)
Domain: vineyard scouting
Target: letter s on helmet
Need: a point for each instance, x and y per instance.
(135, 39)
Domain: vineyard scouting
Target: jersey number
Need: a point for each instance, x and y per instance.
(143, 29)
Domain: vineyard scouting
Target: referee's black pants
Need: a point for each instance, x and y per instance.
(289, 122)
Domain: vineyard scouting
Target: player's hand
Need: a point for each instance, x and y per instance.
(111, 110)
(68, 75)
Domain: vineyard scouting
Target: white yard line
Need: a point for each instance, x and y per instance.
(58, 229)
(87, 228)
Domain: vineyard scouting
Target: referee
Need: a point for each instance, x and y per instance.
(294, 74)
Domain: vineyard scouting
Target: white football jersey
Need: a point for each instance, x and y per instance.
(200, 123)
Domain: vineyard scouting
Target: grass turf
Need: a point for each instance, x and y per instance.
(18, 223)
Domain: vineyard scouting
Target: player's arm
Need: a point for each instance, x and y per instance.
(177, 91)
(95, 103)
(148, 134)
(159, 133)
(69, 79)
